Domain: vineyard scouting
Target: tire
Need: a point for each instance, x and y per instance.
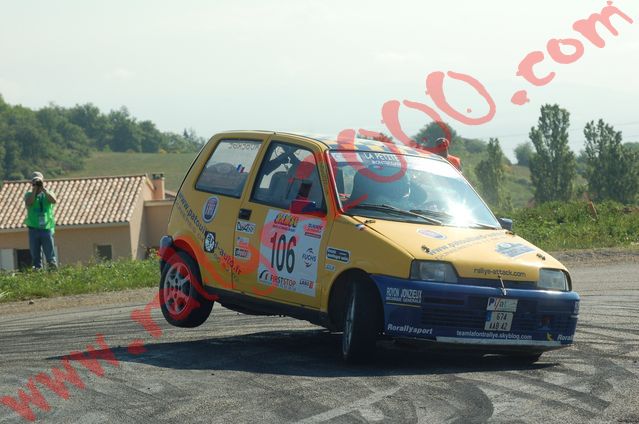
(361, 322)
(181, 303)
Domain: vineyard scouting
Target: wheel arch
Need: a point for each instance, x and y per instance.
(338, 296)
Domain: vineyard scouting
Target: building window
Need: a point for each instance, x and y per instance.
(23, 259)
(103, 252)
(7, 260)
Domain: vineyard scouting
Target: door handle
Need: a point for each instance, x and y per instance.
(244, 214)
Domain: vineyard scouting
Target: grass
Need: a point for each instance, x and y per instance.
(571, 225)
(78, 279)
(173, 165)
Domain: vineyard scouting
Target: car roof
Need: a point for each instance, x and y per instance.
(360, 144)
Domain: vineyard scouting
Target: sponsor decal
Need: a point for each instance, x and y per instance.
(431, 234)
(562, 338)
(191, 218)
(209, 209)
(338, 255)
(313, 230)
(209, 242)
(245, 146)
(409, 329)
(490, 335)
(227, 261)
(499, 272)
(245, 227)
(395, 294)
(309, 257)
(464, 243)
(242, 253)
(512, 250)
(329, 267)
(289, 249)
(286, 221)
(380, 159)
(241, 250)
(279, 281)
(242, 242)
(307, 283)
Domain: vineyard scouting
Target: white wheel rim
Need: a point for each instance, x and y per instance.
(177, 287)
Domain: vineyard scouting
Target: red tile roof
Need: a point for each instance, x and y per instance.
(81, 201)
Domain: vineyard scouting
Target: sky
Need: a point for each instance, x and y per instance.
(317, 66)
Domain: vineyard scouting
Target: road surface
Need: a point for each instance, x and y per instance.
(238, 368)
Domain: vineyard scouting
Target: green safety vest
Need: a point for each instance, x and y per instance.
(40, 213)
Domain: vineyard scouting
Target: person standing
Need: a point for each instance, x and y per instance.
(41, 222)
(442, 150)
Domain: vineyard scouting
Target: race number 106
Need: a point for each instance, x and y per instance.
(282, 252)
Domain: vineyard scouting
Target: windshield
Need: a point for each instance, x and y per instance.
(407, 188)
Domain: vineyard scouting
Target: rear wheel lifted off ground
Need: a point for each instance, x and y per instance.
(361, 321)
(181, 303)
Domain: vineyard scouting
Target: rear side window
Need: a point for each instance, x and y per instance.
(228, 167)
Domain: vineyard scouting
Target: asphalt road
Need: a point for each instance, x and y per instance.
(237, 368)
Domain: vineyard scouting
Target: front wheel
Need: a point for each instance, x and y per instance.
(181, 303)
(361, 321)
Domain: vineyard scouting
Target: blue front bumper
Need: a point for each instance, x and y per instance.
(458, 314)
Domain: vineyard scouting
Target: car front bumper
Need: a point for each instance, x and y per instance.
(458, 314)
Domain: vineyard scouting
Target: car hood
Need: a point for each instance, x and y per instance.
(475, 253)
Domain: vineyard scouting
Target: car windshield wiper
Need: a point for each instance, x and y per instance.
(482, 225)
(440, 214)
(393, 209)
(449, 216)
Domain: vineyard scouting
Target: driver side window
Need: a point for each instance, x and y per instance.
(288, 172)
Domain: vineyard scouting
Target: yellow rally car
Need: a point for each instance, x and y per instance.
(361, 237)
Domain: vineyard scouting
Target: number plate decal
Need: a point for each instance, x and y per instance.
(289, 251)
(498, 321)
(501, 304)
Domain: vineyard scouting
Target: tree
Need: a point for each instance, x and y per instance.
(126, 135)
(612, 169)
(490, 173)
(552, 166)
(523, 152)
(431, 132)
(94, 123)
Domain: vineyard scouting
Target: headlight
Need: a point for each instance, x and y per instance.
(552, 279)
(441, 272)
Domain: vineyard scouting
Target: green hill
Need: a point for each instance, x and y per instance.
(173, 165)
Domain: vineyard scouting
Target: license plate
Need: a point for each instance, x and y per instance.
(501, 304)
(498, 321)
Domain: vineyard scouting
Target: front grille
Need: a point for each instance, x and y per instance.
(471, 314)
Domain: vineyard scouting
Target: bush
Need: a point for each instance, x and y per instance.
(571, 225)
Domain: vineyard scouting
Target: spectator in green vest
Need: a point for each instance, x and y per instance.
(40, 220)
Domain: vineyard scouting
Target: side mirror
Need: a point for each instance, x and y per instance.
(506, 223)
(305, 207)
